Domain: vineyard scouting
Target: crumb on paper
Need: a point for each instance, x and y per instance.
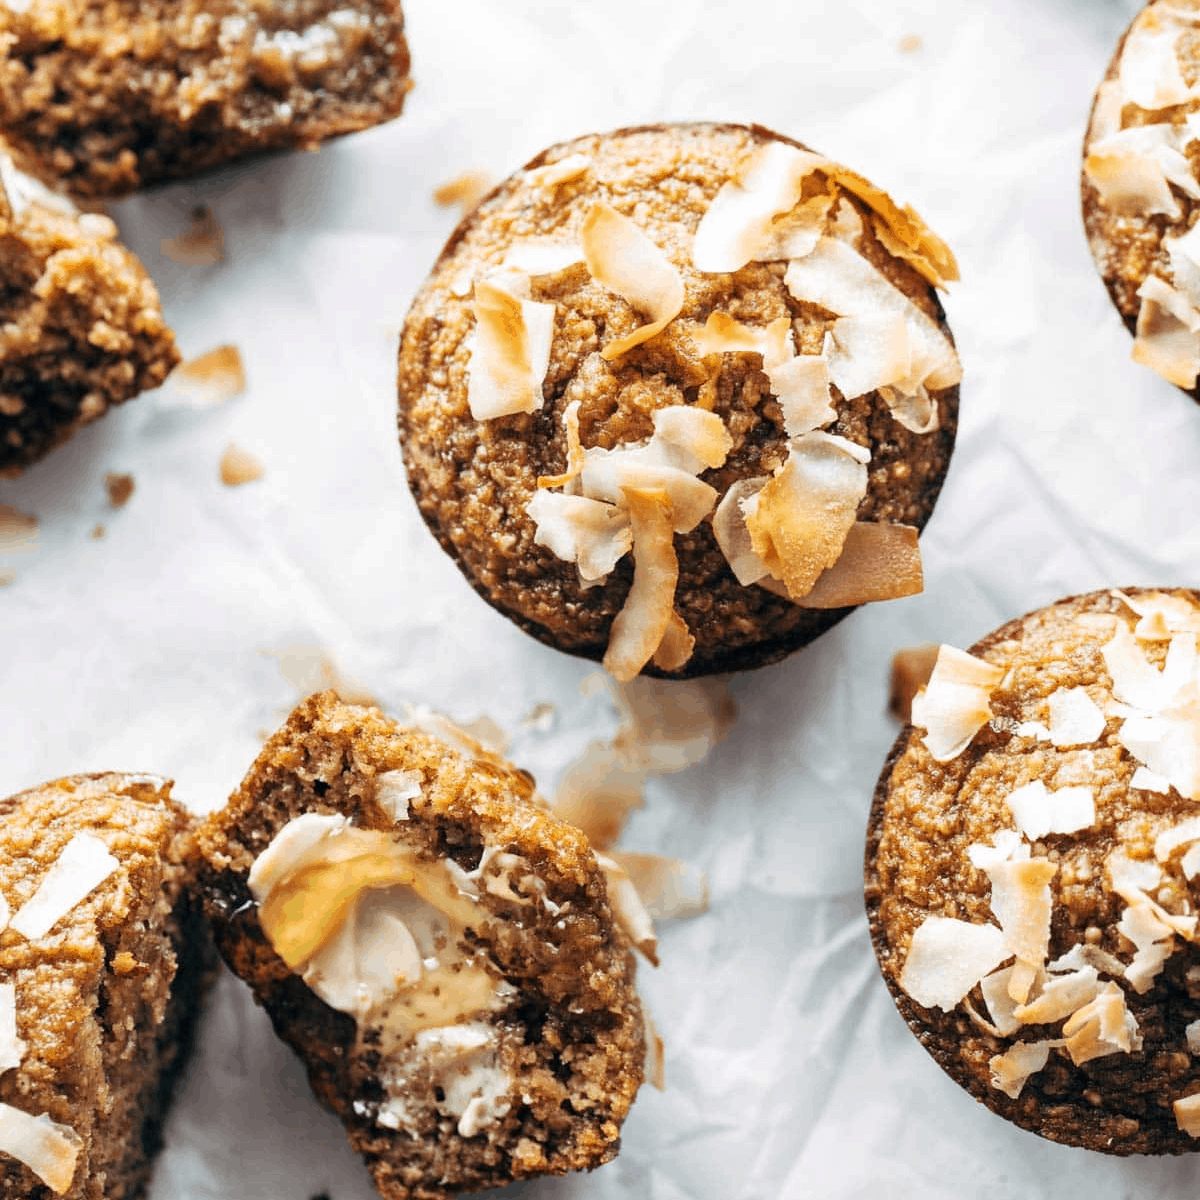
(911, 668)
(540, 717)
(239, 466)
(98, 531)
(206, 381)
(313, 669)
(18, 531)
(120, 487)
(200, 245)
(911, 43)
(463, 191)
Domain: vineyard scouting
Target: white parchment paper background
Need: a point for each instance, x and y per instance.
(789, 1072)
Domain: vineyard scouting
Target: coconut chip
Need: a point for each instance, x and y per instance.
(654, 1071)
(668, 887)
(1167, 338)
(1154, 942)
(1160, 611)
(799, 521)
(1000, 1005)
(638, 629)
(1169, 743)
(1191, 1032)
(1011, 1070)
(877, 562)
(676, 646)
(1171, 839)
(463, 191)
(623, 259)
(631, 914)
(1187, 1114)
(1060, 997)
(947, 958)
(954, 707)
(1022, 903)
(1149, 72)
(12, 1048)
(1103, 1026)
(1075, 720)
(1006, 846)
(911, 669)
(48, 1149)
(733, 538)
(1131, 878)
(205, 381)
(509, 349)
(1085, 955)
(574, 166)
(239, 466)
(82, 866)
(1038, 811)
(537, 257)
(393, 791)
(1132, 171)
(592, 534)
(1184, 255)
(1148, 781)
(574, 450)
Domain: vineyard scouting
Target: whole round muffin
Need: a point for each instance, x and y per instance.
(678, 397)
(445, 956)
(1141, 187)
(1031, 861)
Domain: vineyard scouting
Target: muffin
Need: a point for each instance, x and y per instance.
(1031, 871)
(1141, 187)
(441, 952)
(103, 959)
(99, 98)
(83, 327)
(676, 398)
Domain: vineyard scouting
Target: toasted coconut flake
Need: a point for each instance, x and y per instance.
(5, 914)
(1191, 1031)
(1012, 1069)
(1060, 997)
(1190, 863)
(1133, 168)
(1075, 719)
(239, 466)
(654, 1067)
(205, 381)
(638, 629)
(314, 669)
(575, 457)
(799, 521)
(1157, 609)
(1032, 729)
(631, 914)
(690, 439)
(1132, 875)
(509, 349)
(83, 866)
(1167, 338)
(737, 227)
(1135, 680)
(590, 533)
(1149, 72)
(955, 706)
(1038, 811)
(840, 280)
(1021, 902)
(668, 887)
(464, 191)
(1154, 941)
(1021, 982)
(1187, 1114)
(1169, 743)
(1103, 1026)
(1148, 781)
(536, 257)
(1106, 112)
(623, 259)
(868, 353)
(948, 958)
(1000, 1005)
(911, 669)
(878, 562)
(598, 792)
(1184, 254)
(1084, 955)
(676, 646)
(729, 528)
(1006, 846)
(1171, 839)
(574, 166)
(393, 791)
(12, 1048)
(48, 1149)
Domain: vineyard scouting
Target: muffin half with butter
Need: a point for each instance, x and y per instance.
(678, 398)
(442, 953)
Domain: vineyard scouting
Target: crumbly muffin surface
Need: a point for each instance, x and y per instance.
(473, 479)
(82, 327)
(928, 815)
(100, 99)
(571, 1031)
(105, 1001)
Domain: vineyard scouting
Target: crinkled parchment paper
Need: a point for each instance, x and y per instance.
(789, 1073)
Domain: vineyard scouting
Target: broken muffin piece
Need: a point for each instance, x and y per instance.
(441, 952)
(103, 959)
(83, 329)
(150, 90)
